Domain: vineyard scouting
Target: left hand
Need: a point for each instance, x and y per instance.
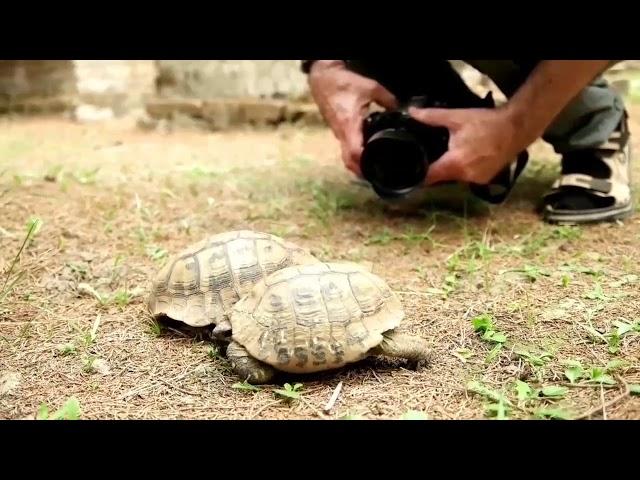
(481, 143)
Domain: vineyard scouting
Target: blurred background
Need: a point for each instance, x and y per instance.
(213, 94)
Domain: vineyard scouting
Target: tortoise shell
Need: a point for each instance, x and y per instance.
(201, 284)
(315, 317)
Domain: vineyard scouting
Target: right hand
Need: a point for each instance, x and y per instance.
(343, 98)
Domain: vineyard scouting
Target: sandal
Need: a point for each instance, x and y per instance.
(595, 185)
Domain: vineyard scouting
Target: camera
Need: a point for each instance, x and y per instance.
(398, 151)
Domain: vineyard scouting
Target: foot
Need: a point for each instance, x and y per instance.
(595, 184)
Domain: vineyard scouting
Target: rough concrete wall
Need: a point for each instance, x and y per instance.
(25, 80)
(207, 79)
(118, 84)
(45, 85)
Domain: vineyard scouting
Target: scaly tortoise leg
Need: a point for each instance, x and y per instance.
(247, 367)
(402, 345)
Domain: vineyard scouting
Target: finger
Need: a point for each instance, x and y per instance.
(384, 97)
(353, 140)
(437, 117)
(446, 169)
(347, 159)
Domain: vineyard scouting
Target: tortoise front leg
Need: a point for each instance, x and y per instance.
(402, 345)
(247, 367)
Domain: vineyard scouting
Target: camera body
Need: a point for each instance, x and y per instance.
(398, 151)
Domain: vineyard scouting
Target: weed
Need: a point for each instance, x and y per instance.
(86, 177)
(289, 392)
(69, 411)
(553, 414)
(484, 324)
(597, 294)
(155, 328)
(122, 298)
(33, 227)
(157, 254)
(66, 349)
(574, 371)
(245, 387)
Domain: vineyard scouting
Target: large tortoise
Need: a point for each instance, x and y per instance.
(317, 317)
(200, 285)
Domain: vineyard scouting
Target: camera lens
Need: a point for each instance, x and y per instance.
(393, 161)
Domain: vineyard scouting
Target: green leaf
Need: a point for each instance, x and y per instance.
(596, 294)
(498, 410)
(497, 337)
(566, 279)
(554, 391)
(623, 327)
(464, 353)
(414, 415)
(476, 387)
(245, 386)
(597, 375)
(482, 323)
(634, 389)
(523, 390)
(43, 412)
(553, 413)
(69, 411)
(614, 365)
(33, 227)
(574, 373)
(493, 353)
(614, 343)
(289, 392)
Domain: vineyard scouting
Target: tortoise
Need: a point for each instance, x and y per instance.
(199, 286)
(317, 317)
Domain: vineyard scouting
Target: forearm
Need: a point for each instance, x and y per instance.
(552, 85)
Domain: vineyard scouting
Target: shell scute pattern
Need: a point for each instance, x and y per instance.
(201, 284)
(315, 317)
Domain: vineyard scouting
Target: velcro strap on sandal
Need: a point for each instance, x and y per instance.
(584, 181)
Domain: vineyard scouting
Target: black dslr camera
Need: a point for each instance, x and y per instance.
(398, 151)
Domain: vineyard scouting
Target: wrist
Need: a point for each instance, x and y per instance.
(521, 123)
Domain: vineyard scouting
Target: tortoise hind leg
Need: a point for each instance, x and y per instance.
(402, 345)
(247, 367)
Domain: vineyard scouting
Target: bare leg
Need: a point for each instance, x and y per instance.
(247, 367)
(402, 345)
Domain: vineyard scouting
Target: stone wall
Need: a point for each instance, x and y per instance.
(207, 79)
(59, 85)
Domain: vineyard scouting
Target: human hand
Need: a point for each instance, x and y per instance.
(481, 143)
(343, 98)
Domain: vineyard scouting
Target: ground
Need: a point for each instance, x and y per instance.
(555, 309)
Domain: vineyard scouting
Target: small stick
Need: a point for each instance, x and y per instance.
(604, 409)
(604, 406)
(332, 401)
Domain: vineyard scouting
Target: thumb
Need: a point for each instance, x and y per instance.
(384, 97)
(445, 169)
(437, 117)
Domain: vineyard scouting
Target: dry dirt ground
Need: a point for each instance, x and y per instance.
(564, 339)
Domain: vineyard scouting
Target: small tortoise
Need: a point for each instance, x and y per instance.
(200, 285)
(317, 317)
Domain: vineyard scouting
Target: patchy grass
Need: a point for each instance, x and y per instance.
(526, 320)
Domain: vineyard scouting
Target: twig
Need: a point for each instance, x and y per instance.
(604, 409)
(315, 410)
(175, 387)
(606, 405)
(334, 397)
(264, 407)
